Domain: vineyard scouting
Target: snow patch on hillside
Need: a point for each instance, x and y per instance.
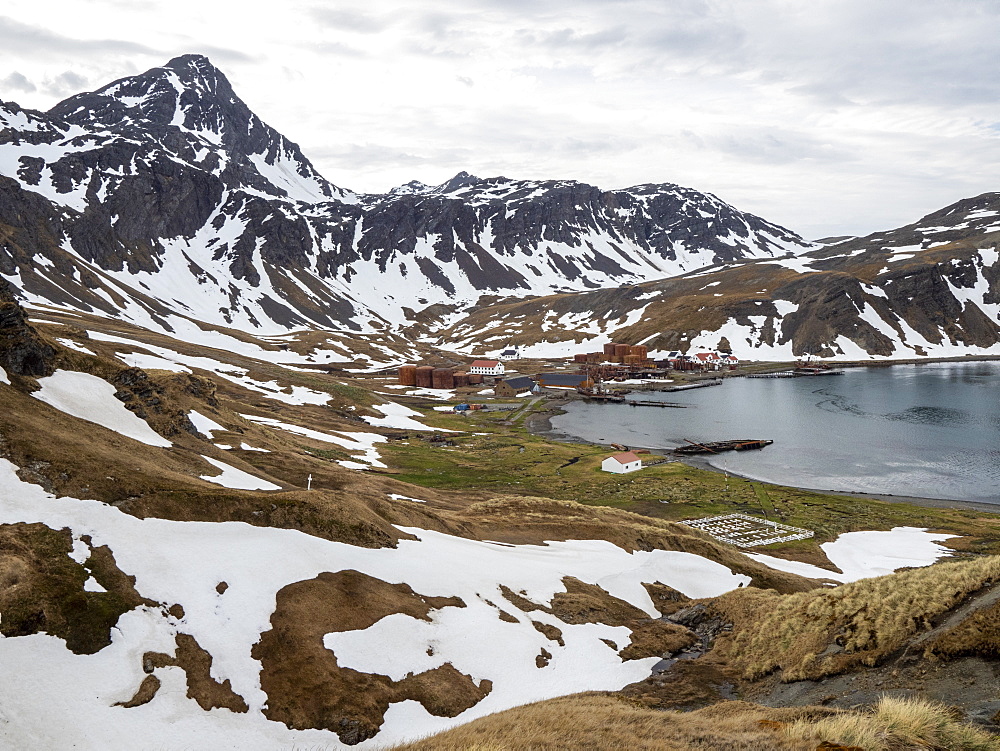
(93, 399)
(863, 555)
(237, 479)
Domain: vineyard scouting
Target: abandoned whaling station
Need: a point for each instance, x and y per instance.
(616, 364)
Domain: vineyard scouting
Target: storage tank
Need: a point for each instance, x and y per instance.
(632, 359)
(595, 357)
(443, 378)
(638, 349)
(425, 376)
(461, 379)
(408, 375)
(580, 357)
(609, 350)
(616, 359)
(621, 350)
(475, 379)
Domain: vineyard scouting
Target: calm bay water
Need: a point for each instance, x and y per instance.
(931, 431)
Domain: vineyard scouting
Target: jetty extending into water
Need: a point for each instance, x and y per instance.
(639, 403)
(797, 373)
(696, 385)
(716, 447)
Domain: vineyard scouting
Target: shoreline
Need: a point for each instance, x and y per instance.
(540, 424)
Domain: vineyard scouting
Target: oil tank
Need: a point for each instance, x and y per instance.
(580, 357)
(632, 359)
(443, 378)
(595, 357)
(609, 350)
(425, 377)
(616, 359)
(638, 349)
(475, 379)
(461, 379)
(408, 375)
(621, 350)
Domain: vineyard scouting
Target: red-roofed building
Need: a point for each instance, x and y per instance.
(708, 360)
(487, 367)
(622, 463)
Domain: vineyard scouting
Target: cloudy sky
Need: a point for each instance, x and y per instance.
(826, 116)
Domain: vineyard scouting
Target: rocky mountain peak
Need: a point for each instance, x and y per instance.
(189, 106)
(462, 180)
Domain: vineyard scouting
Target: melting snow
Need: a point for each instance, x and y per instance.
(237, 479)
(70, 344)
(91, 398)
(862, 555)
(398, 497)
(205, 425)
(398, 416)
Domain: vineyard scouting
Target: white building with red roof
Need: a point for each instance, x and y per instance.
(708, 360)
(487, 367)
(622, 463)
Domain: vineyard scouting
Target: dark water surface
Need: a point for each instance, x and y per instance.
(931, 431)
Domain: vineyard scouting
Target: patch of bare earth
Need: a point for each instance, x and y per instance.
(42, 588)
(305, 685)
(589, 603)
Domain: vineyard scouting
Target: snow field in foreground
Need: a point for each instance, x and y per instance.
(61, 698)
(91, 398)
(183, 562)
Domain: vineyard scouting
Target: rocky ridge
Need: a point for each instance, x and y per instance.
(931, 288)
(163, 195)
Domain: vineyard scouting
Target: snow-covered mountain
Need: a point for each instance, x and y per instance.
(163, 195)
(931, 288)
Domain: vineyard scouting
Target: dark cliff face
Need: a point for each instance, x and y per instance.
(22, 351)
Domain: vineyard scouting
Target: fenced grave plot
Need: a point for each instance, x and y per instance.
(746, 531)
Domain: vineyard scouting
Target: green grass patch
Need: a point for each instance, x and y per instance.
(510, 460)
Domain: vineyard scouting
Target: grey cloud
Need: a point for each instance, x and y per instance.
(339, 49)
(18, 82)
(350, 20)
(65, 83)
(465, 80)
(572, 38)
(20, 38)
(776, 146)
(220, 54)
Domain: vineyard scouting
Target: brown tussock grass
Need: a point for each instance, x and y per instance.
(978, 635)
(896, 724)
(809, 635)
(595, 721)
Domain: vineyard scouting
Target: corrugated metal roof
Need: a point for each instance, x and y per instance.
(484, 364)
(520, 383)
(571, 380)
(625, 458)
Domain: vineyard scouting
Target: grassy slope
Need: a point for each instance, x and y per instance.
(510, 460)
(597, 722)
